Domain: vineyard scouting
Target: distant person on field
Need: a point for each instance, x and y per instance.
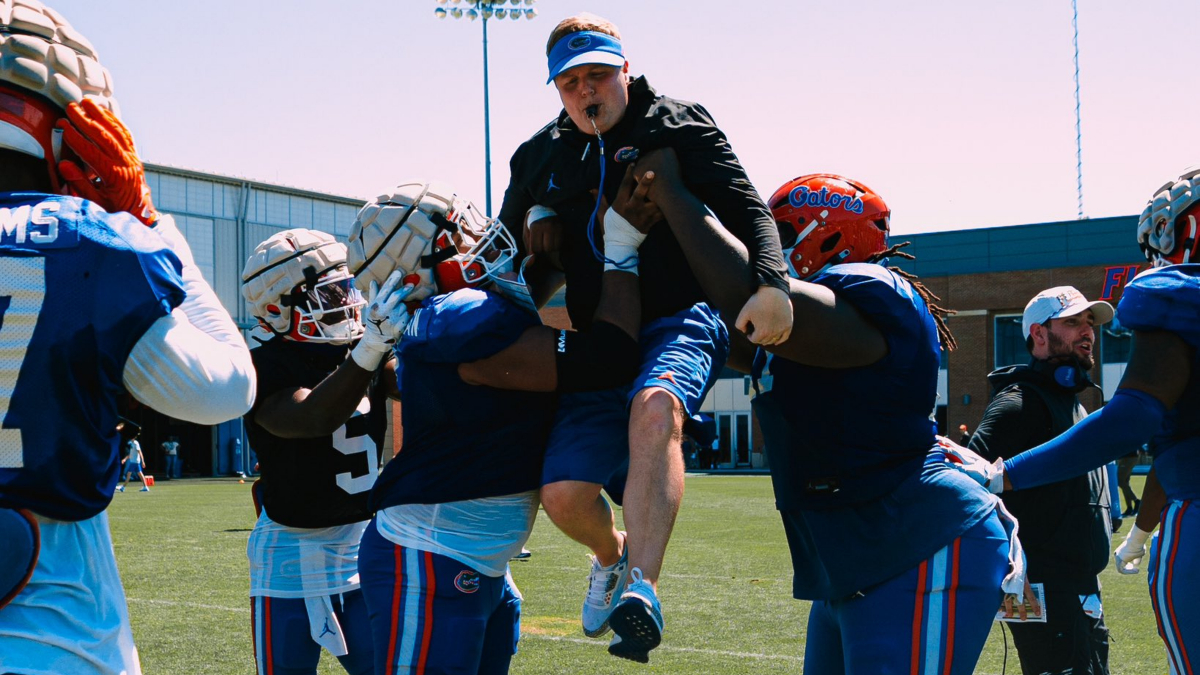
(964, 435)
(171, 453)
(134, 461)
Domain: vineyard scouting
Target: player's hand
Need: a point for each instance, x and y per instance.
(1012, 605)
(112, 175)
(632, 201)
(543, 235)
(766, 319)
(384, 320)
(988, 474)
(1129, 554)
(621, 238)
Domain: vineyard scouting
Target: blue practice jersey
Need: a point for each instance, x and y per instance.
(463, 441)
(78, 288)
(848, 448)
(1169, 299)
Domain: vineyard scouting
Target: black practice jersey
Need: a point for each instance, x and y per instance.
(322, 481)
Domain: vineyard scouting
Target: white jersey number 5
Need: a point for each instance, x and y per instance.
(353, 446)
(22, 290)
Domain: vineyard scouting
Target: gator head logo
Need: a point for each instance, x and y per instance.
(467, 581)
(579, 42)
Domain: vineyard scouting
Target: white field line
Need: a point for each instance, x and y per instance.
(524, 635)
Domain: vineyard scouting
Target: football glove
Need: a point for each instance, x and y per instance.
(988, 474)
(112, 175)
(384, 322)
(1131, 551)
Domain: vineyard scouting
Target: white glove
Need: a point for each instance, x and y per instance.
(1130, 553)
(988, 474)
(384, 321)
(621, 242)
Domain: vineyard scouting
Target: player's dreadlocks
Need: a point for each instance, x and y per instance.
(939, 313)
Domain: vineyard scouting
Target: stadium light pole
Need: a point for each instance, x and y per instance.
(485, 9)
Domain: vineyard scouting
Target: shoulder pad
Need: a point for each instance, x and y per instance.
(1164, 299)
(463, 326)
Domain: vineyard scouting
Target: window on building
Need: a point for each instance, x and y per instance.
(1010, 343)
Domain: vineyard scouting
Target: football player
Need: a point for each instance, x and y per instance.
(94, 304)
(318, 429)
(459, 499)
(903, 556)
(1158, 400)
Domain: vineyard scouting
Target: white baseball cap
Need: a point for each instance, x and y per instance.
(1060, 302)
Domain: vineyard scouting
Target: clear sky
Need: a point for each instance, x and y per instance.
(959, 112)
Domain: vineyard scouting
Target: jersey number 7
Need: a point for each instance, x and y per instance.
(23, 285)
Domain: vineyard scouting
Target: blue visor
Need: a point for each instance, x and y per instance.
(586, 47)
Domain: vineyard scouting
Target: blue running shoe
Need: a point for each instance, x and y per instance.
(637, 621)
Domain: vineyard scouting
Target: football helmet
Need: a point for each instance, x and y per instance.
(1167, 228)
(441, 241)
(825, 219)
(298, 286)
(45, 65)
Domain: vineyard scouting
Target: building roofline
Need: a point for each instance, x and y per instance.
(256, 184)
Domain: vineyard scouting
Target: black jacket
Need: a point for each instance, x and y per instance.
(1064, 526)
(558, 167)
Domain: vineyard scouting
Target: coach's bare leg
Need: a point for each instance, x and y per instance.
(654, 488)
(582, 514)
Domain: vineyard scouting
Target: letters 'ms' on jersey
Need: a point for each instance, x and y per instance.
(463, 441)
(1168, 298)
(326, 480)
(78, 288)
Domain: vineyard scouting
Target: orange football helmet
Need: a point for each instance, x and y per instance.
(825, 219)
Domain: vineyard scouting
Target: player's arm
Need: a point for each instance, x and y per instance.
(193, 363)
(826, 330)
(719, 180)
(299, 412)
(1158, 371)
(604, 356)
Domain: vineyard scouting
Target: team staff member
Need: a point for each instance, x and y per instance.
(459, 499)
(94, 305)
(318, 430)
(1158, 401)
(607, 119)
(903, 559)
(1065, 526)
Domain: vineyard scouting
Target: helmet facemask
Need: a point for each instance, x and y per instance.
(327, 309)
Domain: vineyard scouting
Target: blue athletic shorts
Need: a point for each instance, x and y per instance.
(284, 641)
(433, 614)
(934, 618)
(683, 354)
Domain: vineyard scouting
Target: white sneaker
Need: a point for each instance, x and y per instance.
(604, 589)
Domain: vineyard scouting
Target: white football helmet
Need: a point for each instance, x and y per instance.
(1167, 229)
(298, 286)
(440, 241)
(45, 65)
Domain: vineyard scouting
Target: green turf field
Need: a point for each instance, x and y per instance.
(726, 591)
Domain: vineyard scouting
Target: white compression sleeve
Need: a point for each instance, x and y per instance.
(193, 364)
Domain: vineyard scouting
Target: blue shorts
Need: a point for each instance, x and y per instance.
(284, 641)
(433, 614)
(683, 354)
(132, 467)
(933, 618)
(1174, 593)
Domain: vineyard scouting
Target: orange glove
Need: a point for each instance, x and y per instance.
(112, 175)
